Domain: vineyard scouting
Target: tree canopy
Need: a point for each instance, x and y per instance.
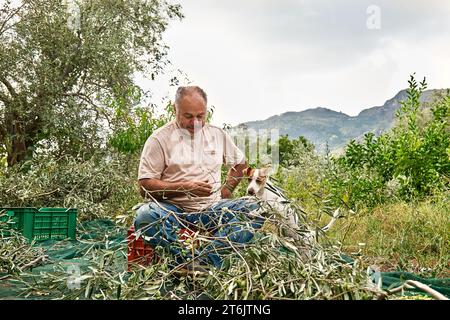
(63, 70)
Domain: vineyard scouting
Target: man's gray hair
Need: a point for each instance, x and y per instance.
(183, 91)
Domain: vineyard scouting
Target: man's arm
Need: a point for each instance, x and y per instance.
(234, 176)
(161, 190)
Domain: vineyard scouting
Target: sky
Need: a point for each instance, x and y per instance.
(258, 58)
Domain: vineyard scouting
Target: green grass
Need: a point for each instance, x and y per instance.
(412, 237)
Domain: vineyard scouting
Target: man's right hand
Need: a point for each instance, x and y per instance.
(198, 188)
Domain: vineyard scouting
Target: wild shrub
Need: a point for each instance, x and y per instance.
(409, 162)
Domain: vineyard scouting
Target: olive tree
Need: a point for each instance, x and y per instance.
(62, 63)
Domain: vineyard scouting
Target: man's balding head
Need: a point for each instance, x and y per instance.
(190, 108)
(190, 90)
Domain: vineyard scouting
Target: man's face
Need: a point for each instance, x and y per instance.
(191, 112)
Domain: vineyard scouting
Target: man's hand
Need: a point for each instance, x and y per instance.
(226, 193)
(234, 176)
(198, 188)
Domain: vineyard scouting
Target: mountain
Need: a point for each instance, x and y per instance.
(323, 126)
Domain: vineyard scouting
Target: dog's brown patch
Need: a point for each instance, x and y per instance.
(248, 172)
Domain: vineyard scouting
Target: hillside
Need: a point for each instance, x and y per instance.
(324, 126)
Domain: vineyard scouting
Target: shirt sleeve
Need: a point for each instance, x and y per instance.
(232, 155)
(152, 163)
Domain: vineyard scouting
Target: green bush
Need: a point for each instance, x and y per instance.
(410, 162)
(292, 151)
(132, 126)
(101, 187)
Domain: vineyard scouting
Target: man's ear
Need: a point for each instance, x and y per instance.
(247, 171)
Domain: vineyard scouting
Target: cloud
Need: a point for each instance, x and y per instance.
(257, 58)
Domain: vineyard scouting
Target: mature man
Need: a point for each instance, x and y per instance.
(180, 172)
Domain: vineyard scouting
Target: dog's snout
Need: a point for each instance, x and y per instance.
(251, 192)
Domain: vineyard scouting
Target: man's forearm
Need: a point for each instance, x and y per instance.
(160, 189)
(234, 176)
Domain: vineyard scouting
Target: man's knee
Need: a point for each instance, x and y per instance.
(252, 205)
(147, 214)
(246, 205)
(239, 203)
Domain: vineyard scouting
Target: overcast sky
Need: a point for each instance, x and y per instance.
(258, 58)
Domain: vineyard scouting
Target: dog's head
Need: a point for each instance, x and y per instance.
(256, 180)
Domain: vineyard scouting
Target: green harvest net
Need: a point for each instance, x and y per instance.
(105, 234)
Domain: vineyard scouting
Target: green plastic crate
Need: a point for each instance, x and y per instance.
(42, 224)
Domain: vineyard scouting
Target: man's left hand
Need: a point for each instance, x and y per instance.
(225, 193)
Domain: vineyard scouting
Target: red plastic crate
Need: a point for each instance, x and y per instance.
(139, 252)
(142, 253)
(185, 234)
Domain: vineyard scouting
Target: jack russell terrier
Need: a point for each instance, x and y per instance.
(260, 187)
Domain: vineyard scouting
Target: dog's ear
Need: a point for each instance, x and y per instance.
(263, 172)
(247, 172)
(266, 171)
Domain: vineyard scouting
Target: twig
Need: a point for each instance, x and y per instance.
(34, 262)
(40, 194)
